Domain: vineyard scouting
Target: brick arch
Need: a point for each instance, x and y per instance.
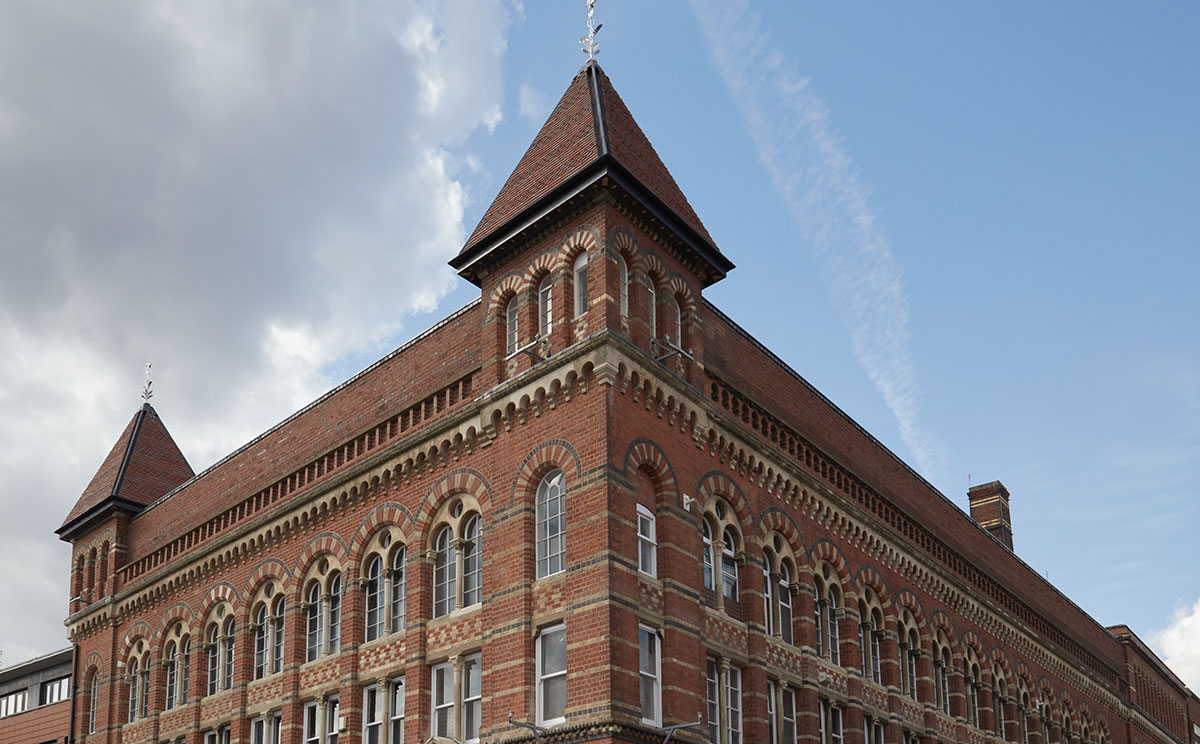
(139, 631)
(583, 238)
(459, 480)
(623, 241)
(870, 576)
(388, 513)
(511, 284)
(940, 620)
(907, 599)
(548, 455)
(1067, 705)
(271, 568)
(93, 664)
(970, 640)
(775, 519)
(1024, 676)
(826, 550)
(1046, 688)
(652, 264)
(222, 592)
(645, 454)
(719, 483)
(1101, 728)
(326, 542)
(177, 612)
(547, 262)
(682, 293)
(999, 657)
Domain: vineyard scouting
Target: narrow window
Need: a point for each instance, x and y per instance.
(335, 613)
(510, 318)
(972, 697)
(708, 556)
(332, 710)
(729, 575)
(260, 642)
(374, 599)
(276, 728)
(472, 696)
(647, 542)
(172, 672)
(785, 604)
(552, 675)
(399, 588)
(623, 284)
(550, 525)
(943, 681)
(676, 321)
(93, 702)
(733, 705)
(472, 593)
(312, 734)
(819, 622)
(545, 307)
(768, 600)
(227, 661)
(397, 721)
(134, 680)
(185, 656)
(372, 715)
(277, 636)
(876, 634)
(258, 731)
(772, 723)
(714, 701)
(789, 716)
(835, 649)
(443, 700)
(649, 671)
(146, 685)
(314, 622)
(581, 284)
(912, 656)
(652, 310)
(444, 565)
(214, 658)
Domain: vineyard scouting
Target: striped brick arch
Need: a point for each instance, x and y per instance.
(906, 599)
(139, 631)
(644, 454)
(512, 284)
(652, 264)
(999, 658)
(825, 551)
(461, 480)
(585, 238)
(776, 520)
(869, 576)
(546, 262)
(223, 592)
(621, 241)
(178, 612)
(271, 569)
(940, 620)
(327, 543)
(555, 453)
(682, 293)
(389, 514)
(93, 664)
(717, 483)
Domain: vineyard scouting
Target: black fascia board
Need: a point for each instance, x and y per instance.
(601, 167)
(132, 507)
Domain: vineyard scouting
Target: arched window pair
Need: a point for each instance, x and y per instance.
(220, 656)
(777, 592)
(971, 675)
(457, 567)
(825, 615)
(268, 638)
(720, 521)
(941, 674)
(323, 615)
(910, 654)
(138, 669)
(178, 667)
(673, 319)
(551, 525)
(870, 635)
(386, 594)
(545, 305)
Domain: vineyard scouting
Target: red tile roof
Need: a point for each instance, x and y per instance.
(144, 464)
(590, 123)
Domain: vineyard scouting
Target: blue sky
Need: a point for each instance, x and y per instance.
(979, 220)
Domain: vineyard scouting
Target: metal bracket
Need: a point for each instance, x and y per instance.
(672, 349)
(670, 730)
(537, 730)
(528, 349)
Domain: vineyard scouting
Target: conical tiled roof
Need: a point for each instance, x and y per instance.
(144, 464)
(589, 135)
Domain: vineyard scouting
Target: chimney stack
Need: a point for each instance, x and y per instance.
(989, 508)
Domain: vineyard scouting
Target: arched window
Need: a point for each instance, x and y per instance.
(335, 613)
(708, 556)
(623, 284)
(313, 647)
(551, 525)
(93, 701)
(910, 652)
(545, 304)
(941, 675)
(512, 331)
(652, 309)
(172, 674)
(135, 679)
(214, 658)
(729, 573)
(1000, 703)
(277, 636)
(785, 603)
(374, 598)
(262, 638)
(581, 284)
(676, 320)
(971, 672)
(227, 656)
(472, 591)
(768, 596)
(185, 671)
(399, 588)
(444, 566)
(828, 636)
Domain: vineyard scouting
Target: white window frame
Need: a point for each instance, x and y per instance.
(396, 717)
(335, 613)
(472, 561)
(676, 321)
(729, 567)
(262, 638)
(708, 556)
(623, 284)
(733, 705)
(545, 306)
(228, 650)
(332, 722)
(648, 638)
(437, 705)
(712, 680)
(311, 724)
(399, 589)
(214, 659)
(372, 714)
(373, 600)
(512, 327)
(172, 669)
(313, 622)
(647, 533)
(784, 596)
(768, 600)
(652, 316)
(445, 570)
(258, 730)
(93, 702)
(544, 676)
(579, 274)
(472, 703)
(278, 611)
(773, 734)
(551, 527)
(788, 721)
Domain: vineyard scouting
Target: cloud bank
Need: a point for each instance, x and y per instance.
(815, 177)
(1179, 643)
(246, 194)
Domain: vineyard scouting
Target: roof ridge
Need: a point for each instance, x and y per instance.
(599, 121)
(137, 427)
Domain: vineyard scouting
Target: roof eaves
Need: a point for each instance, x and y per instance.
(133, 507)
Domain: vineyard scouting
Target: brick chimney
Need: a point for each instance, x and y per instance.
(989, 508)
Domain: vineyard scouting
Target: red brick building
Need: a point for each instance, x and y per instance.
(35, 700)
(590, 499)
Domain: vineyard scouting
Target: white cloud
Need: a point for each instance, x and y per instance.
(1179, 643)
(244, 194)
(813, 174)
(532, 103)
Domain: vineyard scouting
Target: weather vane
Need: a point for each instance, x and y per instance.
(147, 393)
(589, 42)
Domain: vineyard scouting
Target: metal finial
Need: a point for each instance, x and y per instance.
(147, 393)
(589, 42)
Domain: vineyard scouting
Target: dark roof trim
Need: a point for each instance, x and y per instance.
(598, 120)
(604, 166)
(132, 507)
(137, 427)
